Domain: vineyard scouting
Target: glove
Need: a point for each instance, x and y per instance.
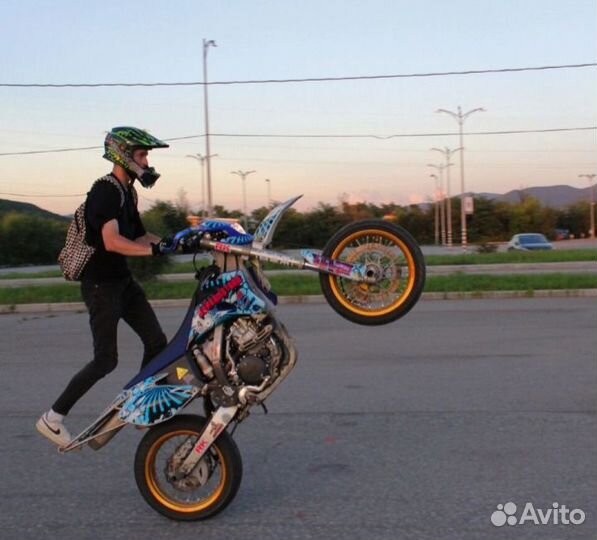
(164, 246)
(191, 243)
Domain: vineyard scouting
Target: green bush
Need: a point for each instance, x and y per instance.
(29, 239)
(486, 247)
(164, 218)
(147, 268)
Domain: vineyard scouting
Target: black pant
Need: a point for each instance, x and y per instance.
(107, 303)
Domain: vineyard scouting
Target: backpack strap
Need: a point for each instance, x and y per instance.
(109, 178)
(135, 196)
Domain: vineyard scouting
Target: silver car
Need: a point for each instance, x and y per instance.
(529, 242)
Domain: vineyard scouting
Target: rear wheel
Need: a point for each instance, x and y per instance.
(208, 489)
(391, 257)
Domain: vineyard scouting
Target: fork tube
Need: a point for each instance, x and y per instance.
(263, 254)
(274, 257)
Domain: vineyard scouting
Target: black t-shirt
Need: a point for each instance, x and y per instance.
(103, 205)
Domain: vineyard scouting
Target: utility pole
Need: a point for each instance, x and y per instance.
(243, 175)
(201, 159)
(206, 45)
(436, 204)
(460, 117)
(591, 179)
(448, 154)
(442, 207)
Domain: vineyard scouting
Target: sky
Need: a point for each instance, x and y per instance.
(68, 41)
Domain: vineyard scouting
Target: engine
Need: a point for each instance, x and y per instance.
(253, 353)
(244, 362)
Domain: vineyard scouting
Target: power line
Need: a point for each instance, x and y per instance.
(55, 151)
(41, 196)
(320, 136)
(76, 149)
(397, 135)
(304, 80)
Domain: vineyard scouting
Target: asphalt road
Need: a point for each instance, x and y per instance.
(416, 430)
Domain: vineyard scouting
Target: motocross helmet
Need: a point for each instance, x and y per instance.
(119, 145)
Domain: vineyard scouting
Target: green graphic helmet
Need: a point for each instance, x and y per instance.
(119, 146)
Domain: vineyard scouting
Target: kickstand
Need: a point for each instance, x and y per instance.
(234, 428)
(237, 422)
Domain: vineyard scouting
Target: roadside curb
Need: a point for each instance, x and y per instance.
(542, 293)
(62, 307)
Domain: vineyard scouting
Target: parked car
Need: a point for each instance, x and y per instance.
(562, 234)
(529, 242)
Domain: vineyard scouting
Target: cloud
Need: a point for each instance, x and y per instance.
(416, 198)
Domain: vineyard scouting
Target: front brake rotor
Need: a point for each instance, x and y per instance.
(200, 474)
(379, 262)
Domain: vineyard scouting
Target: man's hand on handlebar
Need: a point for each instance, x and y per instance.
(165, 246)
(191, 243)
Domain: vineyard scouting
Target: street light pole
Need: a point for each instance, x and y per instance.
(442, 207)
(460, 117)
(436, 213)
(448, 153)
(243, 175)
(201, 159)
(591, 179)
(206, 45)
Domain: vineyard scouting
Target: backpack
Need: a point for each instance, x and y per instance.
(77, 252)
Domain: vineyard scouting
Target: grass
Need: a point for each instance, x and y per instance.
(571, 255)
(307, 285)
(30, 275)
(468, 259)
(527, 282)
(65, 292)
(509, 257)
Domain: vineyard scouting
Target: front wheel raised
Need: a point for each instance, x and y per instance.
(391, 258)
(210, 486)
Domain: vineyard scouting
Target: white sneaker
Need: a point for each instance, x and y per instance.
(55, 431)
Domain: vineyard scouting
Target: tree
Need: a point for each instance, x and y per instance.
(322, 223)
(165, 218)
(220, 211)
(575, 218)
(417, 222)
(484, 225)
(162, 219)
(29, 239)
(289, 233)
(530, 216)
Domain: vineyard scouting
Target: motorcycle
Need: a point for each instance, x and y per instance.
(232, 352)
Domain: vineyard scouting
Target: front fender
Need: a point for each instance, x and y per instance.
(265, 230)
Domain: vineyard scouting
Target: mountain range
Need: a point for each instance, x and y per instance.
(553, 196)
(7, 206)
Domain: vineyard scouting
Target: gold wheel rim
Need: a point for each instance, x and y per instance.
(410, 263)
(161, 497)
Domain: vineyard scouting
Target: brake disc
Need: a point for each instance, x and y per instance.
(378, 259)
(380, 264)
(200, 474)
